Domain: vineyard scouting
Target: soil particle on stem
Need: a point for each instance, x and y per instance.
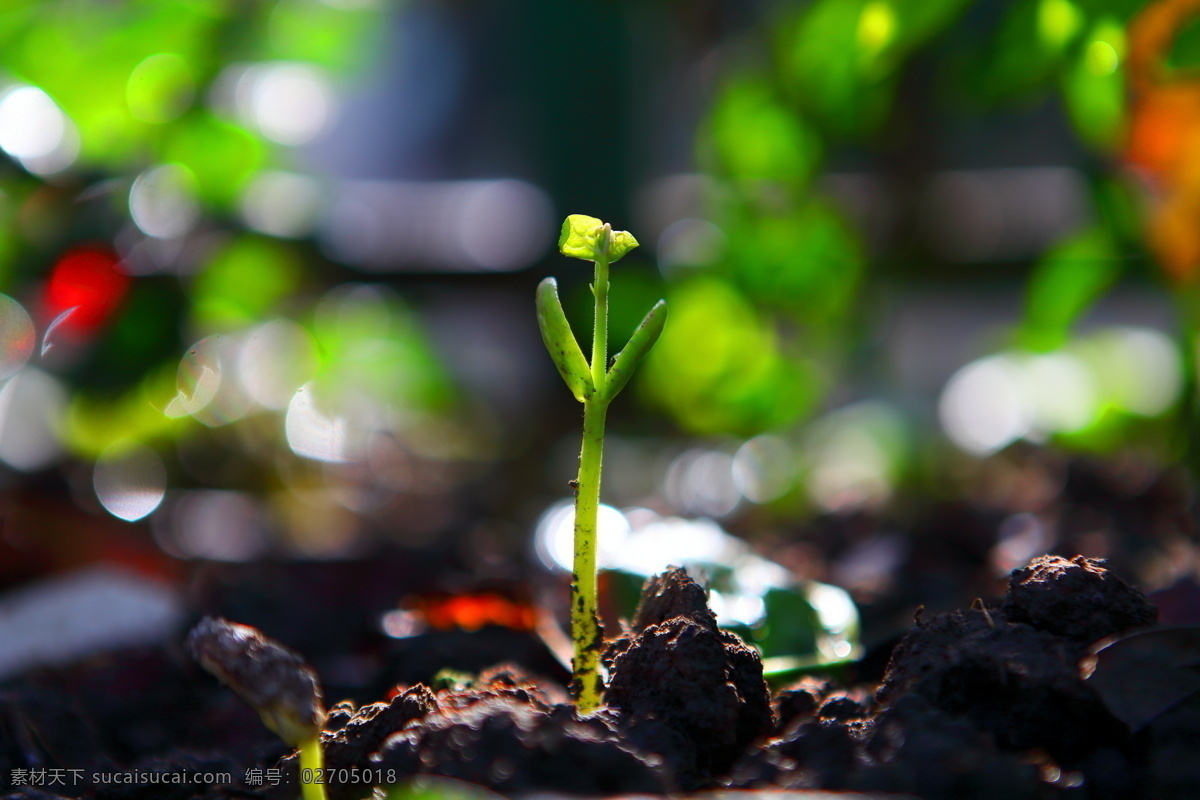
(682, 688)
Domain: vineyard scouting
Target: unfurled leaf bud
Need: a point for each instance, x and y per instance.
(590, 239)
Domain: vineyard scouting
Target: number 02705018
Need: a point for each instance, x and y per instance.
(374, 777)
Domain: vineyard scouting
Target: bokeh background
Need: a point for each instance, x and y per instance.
(268, 271)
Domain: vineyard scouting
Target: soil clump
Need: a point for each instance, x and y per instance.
(1027, 697)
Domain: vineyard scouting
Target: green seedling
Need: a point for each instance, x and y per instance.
(594, 384)
(276, 682)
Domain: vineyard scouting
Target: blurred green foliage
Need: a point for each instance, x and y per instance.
(1066, 281)
(772, 319)
(245, 280)
(772, 299)
(177, 97)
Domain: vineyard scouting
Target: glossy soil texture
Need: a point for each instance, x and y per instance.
(1066, 688)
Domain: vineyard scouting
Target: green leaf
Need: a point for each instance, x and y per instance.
(619, 243)
(1094, 86)
(578, 236)
(560, 341)
(1065, 283)
(626, 361)
(590, 239)
(755, 137)
(243, 281)
(720, 366)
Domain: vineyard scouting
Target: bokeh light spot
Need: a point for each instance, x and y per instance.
(853, 455)
(312, 433)
(554, 539)
(276, 359)
(1063, 392)
(764, 468)
(499, 223)
(163, 202)
(658, 542)
(1141, 372)
(160, 88)
(1101, 59)
(984, 408)
(90, 281)
(289, 102)
(701, 482)
(488, 225)
(130, 481)
(32, 406)
(996, 400)
(283, 204)
(16, 336)
(1058, 21)
(690, 243)
(208, 388)
(35, 131)
(198, 381)
(876, 26)
(216, 525)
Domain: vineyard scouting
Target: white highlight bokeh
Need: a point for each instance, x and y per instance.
(36, 132)
(130, 481)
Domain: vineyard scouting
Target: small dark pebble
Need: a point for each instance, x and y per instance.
(799, 701)
(842, 709)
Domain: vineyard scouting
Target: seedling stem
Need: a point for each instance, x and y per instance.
(594, 384)
(312, 765)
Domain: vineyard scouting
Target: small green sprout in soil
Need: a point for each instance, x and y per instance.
(594, 384)
(275, 681)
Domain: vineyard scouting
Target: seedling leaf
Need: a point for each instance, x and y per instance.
(590, 239)
(640, 343)
(560, 341)
(620, 243)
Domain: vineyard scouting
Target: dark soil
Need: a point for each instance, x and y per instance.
(1054, 692)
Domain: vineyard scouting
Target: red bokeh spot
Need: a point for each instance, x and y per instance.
(473, 611)
(88, 280)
